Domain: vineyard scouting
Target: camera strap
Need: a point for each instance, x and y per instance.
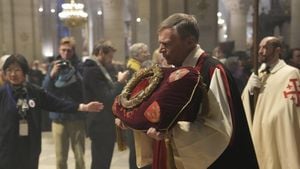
(103, 70)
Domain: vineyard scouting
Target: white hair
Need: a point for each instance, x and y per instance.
(136, 49)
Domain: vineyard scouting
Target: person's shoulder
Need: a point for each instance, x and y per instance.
(133, 64)
(34, 88)
(210, 62)
(213, 60)
(292, 69)
(89, 63)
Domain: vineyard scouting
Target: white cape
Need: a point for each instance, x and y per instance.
(275, 127)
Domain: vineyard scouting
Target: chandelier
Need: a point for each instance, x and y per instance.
(72, 14)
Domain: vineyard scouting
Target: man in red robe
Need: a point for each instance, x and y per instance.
(218, 138)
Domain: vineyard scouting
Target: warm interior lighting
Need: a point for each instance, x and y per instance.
(72, 14)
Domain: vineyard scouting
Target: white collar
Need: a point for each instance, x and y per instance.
(192, 58)
(273, 68)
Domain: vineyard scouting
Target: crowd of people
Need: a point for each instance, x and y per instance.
(256, 125)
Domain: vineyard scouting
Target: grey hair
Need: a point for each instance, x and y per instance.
(185, 25)
(136, 49)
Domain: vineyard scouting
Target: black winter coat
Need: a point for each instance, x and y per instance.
(22, 152)
(97, 88)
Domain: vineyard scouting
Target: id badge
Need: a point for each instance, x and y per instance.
(23, 127)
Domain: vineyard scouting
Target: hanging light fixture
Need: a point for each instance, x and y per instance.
(72, 14)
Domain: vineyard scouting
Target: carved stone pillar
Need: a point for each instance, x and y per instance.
(206, 13)
(18, 30)
(295, 24)
(47, 25)
(113, 25)
(150, 12)
(175, 6)
(95, 23)
(238, 22)
(143, 12)
(6, 31)
(155, 19)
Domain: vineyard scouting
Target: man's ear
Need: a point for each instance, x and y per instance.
(191, 41)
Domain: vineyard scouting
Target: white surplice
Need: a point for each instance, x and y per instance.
(275, 126)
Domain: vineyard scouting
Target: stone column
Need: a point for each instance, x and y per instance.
(95, 23)
(8, 40)
(295, 24)
(47, 25)
(206, 14)
(150, 12)
(113, 26)
(37, 46)
(158, 12)
(6, 31)
(129, 15)
(175, 6)
(143, 27)
(238, 22)
(18, 28)
(155, 19)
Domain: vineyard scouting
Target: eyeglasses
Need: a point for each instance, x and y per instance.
(15, 71)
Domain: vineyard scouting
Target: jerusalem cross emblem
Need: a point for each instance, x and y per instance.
(293, 91)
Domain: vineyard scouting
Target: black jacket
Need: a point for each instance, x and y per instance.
(11, 144)
(97, 88)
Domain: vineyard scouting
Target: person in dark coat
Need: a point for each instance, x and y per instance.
(35, 75)
(20, 115)
(99, 84)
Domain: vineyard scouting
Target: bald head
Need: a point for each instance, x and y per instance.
(273, 41)
(269, 50)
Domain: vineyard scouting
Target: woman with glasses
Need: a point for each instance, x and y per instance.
(20, 115)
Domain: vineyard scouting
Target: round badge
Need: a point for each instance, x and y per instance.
(31, 103)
